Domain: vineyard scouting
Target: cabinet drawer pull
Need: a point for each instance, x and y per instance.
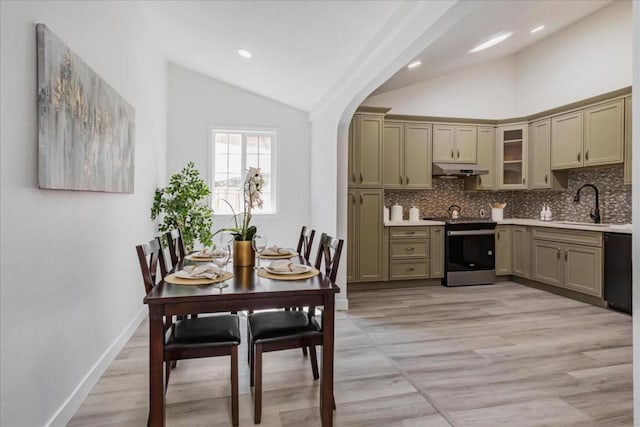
(361, 199)
(410, 268)
(458, 154)
(360, 177)
(546, 179)
(410, 249)
(586, 155)
(578, 156)
(558, 253)
(566, 255)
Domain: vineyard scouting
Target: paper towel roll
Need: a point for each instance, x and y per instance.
(414, 214)
(396, 212)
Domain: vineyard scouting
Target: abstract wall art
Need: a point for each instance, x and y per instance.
(86, 130)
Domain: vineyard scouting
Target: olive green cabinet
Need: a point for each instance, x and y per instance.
(520, 244)
(365, 261)
(454, 144)
(512, 157)
(571, 259)
(539, 163)
(486, 158)
(590, 137)
(627, 141)
(409, 251)
(436, 253)
(503, 250)
(407, 155)
(365, 151)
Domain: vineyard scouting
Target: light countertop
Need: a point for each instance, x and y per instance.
(605, 228)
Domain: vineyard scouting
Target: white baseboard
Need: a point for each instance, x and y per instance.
(66, 411)
(342, 304)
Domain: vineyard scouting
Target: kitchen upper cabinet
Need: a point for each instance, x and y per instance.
(590, 137)
(604, 134)
(436, 252)
(512, 157)
(627, 141)
(406, 155)
(503, 250)
(454, 144)
(520, 243)
(487, 158)
(539, 163)
(365, 261)
(365, 151)
(566, 141)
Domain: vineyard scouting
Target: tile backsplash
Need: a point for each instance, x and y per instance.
(615, 198)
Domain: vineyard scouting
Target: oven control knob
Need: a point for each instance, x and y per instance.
(489, 252)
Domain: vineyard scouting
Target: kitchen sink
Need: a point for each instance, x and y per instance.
(591, 224)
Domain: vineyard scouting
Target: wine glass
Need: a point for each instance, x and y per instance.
(220, 257)
(259, 243)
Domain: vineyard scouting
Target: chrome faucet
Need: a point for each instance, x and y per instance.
(595, 212)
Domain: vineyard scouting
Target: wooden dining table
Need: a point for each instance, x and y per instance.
(246, 291)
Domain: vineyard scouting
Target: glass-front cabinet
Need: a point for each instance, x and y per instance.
(512, 157)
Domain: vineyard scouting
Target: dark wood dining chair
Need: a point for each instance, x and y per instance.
(305, 242)
(217, 335)
(284, 330)
(177, 251)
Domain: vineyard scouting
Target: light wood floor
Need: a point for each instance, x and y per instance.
(503, 355)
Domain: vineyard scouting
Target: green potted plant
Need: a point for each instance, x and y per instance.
(183, 205)
(243, 232)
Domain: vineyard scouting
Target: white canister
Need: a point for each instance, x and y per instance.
(497, 214)
(385, 213)
(414, 214)
(396, 212)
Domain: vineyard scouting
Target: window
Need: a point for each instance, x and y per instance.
(233, 152)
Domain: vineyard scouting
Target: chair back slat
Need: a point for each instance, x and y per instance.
(150, 255)
(305, 242)
(329, 251)
(177, 250)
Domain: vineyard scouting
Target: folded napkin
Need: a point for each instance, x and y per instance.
(286, 266)
(199, 272)
(276, 250)
(204, 253)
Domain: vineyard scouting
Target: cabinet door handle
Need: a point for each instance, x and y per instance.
(353, 198)
(498, 236)
(546, 179)
(524, 180)
(411, 249)
(411, 232)
(361, 199)
(458, 154)
(353, 177)
(578, 156)
(400, 179)
(558, 252)
(452, 154)
(479, 180)
(406, 180)
(410, 268)
(586, 155)
(566, 255)
(360, 177)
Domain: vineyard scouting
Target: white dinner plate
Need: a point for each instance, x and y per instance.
(307, 268)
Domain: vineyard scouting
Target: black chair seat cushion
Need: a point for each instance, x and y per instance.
(222, 328)
(272, 324)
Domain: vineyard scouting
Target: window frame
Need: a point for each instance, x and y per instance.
(274, 133)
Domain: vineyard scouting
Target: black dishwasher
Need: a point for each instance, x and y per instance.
(617, 271)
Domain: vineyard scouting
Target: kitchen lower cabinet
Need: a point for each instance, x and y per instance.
(520, 244)
(365, 261)
(561, 261)
(436, 252)
(503, 250)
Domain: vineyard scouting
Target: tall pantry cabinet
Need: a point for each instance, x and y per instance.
(365, 261)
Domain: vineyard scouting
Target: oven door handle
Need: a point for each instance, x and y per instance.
(471, 233)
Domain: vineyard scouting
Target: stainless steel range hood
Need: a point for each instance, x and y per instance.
(455, 170)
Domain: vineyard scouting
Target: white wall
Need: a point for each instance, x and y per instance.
(71, 289)
(591, 57)
(588, 58)
(197, 102)
(635, 133)
(484, 91)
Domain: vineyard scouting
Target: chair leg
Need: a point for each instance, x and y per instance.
(234, 386)
(314, 361)
(174, 363)
(304, 351)
(252, 362)
(257, 391)
(333, 399)
(167, 372)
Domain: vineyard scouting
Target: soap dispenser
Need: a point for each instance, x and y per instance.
(542, 213)
(548, 214)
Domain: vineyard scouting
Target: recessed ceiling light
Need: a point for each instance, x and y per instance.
(414, 64)
(498, 38)
(244, 53)
(538, 28)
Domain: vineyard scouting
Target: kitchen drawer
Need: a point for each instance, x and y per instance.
(407, 248)
(413, 269)
(409, 232)
(579, 237)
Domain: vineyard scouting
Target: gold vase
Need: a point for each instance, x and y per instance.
(243, 253)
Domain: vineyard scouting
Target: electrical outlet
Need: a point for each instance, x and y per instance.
(483, 213)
